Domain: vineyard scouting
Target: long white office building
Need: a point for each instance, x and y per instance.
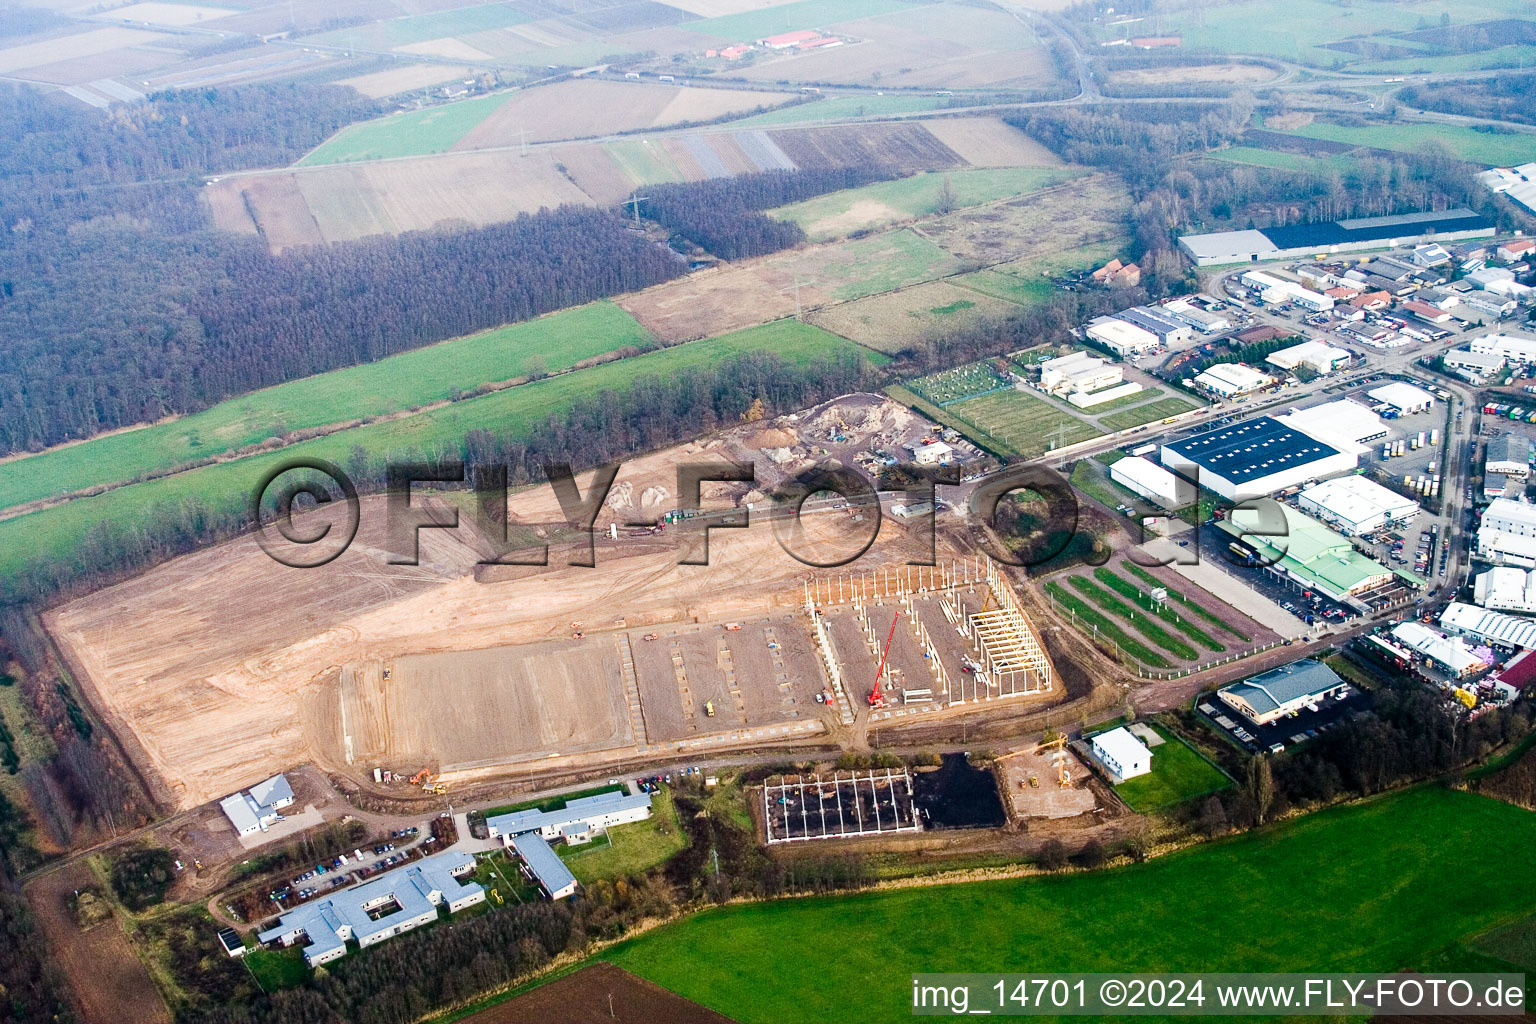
(1512, 347)
(1506, 589)
(1507, 535)
(1489, 627)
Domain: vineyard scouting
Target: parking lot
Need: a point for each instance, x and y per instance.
(1287, 732)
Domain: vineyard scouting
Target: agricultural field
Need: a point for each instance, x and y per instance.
(837, 108)
(1026, 233)
(840, 214)
(1322, 33)
(989, 142)
(399, 33)
(949, 386)
(1465, 142)
(423, 376)
(1020, 423)
(407, 78)
(896, 321)
(1172, 405)
(58, 531)
(1406, 917)
(1178, 774)
(749, 26)
(413, 133)
(1215, 74)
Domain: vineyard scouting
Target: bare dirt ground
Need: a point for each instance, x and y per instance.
(600, 994)
(88, 43)
(273, 201)
(378, 84)
(1224, 74)
(595, 173)
(108, 980)
(221, 667)
(988, 142)
(1290, 121)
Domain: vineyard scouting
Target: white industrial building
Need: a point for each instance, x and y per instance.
(1518, 183)
(1079, 372)
(1474, 366)
(1306, 298)
(1306, 240)
(1355, 505)
(1169, 329)
(1314, 355)
(1403, 397)
(1229, 380)
(1119, 337)
(1259, 281)
(1507, 534)
(1506, 589)
(581, 818)
(930, 453)
(1152, 481)
(1202, 320)
(1122, 753)
(256, 809)
(1346, 425)
(1511, 347)
(1451, 655)
(1254, 458)
(1089, 399)
(1489, 627)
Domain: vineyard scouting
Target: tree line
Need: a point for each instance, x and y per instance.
(724, 215)
(1505, 97)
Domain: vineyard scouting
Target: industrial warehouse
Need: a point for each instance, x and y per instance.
(1254, 458)
(1302, 240)
(1306, 552)
(1356, 505)
(1282, 691)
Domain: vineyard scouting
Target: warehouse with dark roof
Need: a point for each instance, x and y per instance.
(1302, 240)
(1254, 458)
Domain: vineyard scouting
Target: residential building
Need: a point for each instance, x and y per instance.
(1516, 249)
(1282, 691)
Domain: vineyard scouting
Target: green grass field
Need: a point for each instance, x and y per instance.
(1160, 409)
(55, 533)
(1022, 423)
(1178, 774)
(413, 133)
(883, 263)
(1144, 395)
(751, 26)
(1172, 614)
(1093, 622)
(1141, 622)
(1274, 158)
(835, 108)
(916, 196)
(644, 162)
(419, 377)
(1025, 291)
(1183, 600)
(1377, 896)
(1299, 30)
(630, 849)
(275, 969)
(1474, 146)
(1514, 943)
(386, 35)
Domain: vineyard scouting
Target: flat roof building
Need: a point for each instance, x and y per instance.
(1300, 240)
(1512, 347)
(1282, 691)
(543, 866)
(1152, 481)
(1355, 505)
(1122, 753)
(602, 811)
(1169, 330)
(1506, 589)
(1450, 655)
(1202, 320)
(1119, 337)
(1475, 366)
(1509, 454)
(391, 904)
(1346, 425)
(1229, 380)
(1314, 355)
(1253, 458)
(1403, 397)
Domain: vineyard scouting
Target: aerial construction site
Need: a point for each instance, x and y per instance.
(454, 671)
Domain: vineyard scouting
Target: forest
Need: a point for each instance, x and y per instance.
(1505, 97)
(723, 215)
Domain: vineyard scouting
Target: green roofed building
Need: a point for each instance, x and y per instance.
(1306, 551)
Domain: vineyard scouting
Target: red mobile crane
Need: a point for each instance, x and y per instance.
(876, 698)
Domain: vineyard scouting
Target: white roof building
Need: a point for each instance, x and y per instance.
(1119, 337)
(1489, 626)
(1122, 753)
(1518, 183)
(256, 809)
(1506, 589)
(1507, 535)
(932, 452)
(1451, 655)
(1479, 365)
(1356, 505)
(1508, 516)
(1344, 424)
(1314, 355)
(1202, 320)
(1512, 347)
(1152, 481)
(1403, 397)
(1087, 399)
(1232, 379)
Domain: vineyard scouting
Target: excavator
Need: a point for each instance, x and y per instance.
(421, 776)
